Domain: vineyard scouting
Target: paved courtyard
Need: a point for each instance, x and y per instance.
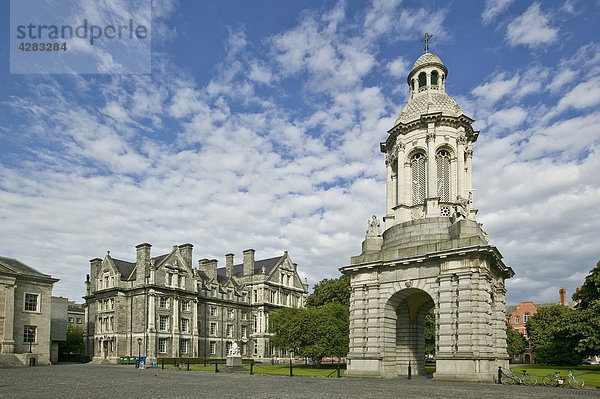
(96, 381)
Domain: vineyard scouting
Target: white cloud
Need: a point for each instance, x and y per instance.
(493, 8)
(398, 67)
(508, 118)
(495, 90)
(532, 28)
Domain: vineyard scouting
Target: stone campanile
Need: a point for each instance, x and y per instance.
(432, 254)
(429, 150)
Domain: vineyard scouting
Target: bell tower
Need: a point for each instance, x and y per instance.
(429, 151)
(432, 254)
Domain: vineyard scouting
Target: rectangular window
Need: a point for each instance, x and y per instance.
(31, 302)
(285, 300)
(162, 345)
(228, 347)
(230, 330)
(213, 328)
(229, 294)
(244, 316)
(112, 303)
(516, 319)
(180, 281)
(169, 279)
(185, 306)
(163, 323)
(184, 325)
(163, 302)
(29, 333)
(255, 321)
(256, 348)
(106, 282)
(71, 320)
(183, 346)
(213, 311)
(255, 296)
(213, 348)
(213, 292)
(272, 296)
(79, 320)
(230, 313)
(525, 317)
(244, 332)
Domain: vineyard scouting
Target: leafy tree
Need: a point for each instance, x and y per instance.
(554, 335)
(430, 332)
(326, 291)
(515, 341)
(589, 294)
(312, 332)
(74, 343)
(587, 317)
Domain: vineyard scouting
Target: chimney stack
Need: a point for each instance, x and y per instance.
(229, 265)
(576, 291)
(563, 295)
(142, 262)
(248, 262)
(186, 254)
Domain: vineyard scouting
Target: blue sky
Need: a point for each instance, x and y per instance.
(260, 124)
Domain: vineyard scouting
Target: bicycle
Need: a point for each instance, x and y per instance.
(556, 379)
(515, 377)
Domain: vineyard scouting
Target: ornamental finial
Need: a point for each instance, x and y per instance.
(426, 40)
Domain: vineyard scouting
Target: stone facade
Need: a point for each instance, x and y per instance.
(25, 311)
(433, 253)
(164, 307)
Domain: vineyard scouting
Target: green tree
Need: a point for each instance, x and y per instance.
(515, 341)
(554, 335)
(589, 294)
(586, 325)
(74, 343)
(430, 333)
(314, 332)
(330, 290)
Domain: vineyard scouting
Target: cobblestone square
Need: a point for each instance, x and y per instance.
(100, 381)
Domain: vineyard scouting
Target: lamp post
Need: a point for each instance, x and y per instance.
(139, 352)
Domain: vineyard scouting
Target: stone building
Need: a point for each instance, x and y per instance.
(162, 306)
(25, 312)
(433, 252)
(75, 314)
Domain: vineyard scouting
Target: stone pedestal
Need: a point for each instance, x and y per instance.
(234, 361)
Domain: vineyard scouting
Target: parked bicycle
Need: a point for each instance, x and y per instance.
(556, 379)
(515, 377)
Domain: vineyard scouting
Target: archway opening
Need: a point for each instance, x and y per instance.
(406, 314)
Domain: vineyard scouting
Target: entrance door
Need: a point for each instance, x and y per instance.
(105, 349)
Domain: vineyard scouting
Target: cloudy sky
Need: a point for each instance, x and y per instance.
(259, 127)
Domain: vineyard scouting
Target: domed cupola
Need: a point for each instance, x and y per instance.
(427, 83)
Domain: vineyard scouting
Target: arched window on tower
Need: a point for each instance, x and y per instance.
(417, 167)
(434, 78)
(443, 175)
(422, 80)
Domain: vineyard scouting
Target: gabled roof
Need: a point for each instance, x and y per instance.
(238, 270)
(21, 268)
(124, 267)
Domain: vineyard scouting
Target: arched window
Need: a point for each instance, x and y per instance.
(417, 167)
(434, 78)
(422, 79)
(443, 175)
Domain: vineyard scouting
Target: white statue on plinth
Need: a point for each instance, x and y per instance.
(234, 350)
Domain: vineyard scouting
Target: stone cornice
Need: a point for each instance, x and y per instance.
(489, 250)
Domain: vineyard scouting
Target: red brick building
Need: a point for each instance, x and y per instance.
(518, 315)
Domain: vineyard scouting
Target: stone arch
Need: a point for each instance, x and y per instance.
(404, 330)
